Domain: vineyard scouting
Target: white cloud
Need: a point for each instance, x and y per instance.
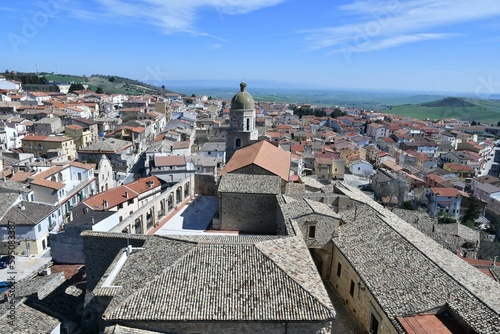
(170, 16)
(385, 24)
(390, 42)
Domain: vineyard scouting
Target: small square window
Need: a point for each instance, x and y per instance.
(312, 231)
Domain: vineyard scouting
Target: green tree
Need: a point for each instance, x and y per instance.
(112, 79)
(498, 124)
(473, 210)
(76, 86)
(99, 90)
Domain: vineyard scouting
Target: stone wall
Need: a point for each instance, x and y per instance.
(252, 170)
(255, 213)
(205, 185)
(67, 246)
(325, 228)
(361, 302)
(234, 327)
(100, 249)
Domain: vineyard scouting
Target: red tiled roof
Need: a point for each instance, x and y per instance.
(171, 160)
(264, 155)
(446, 192)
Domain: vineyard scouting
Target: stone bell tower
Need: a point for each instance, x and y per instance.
(242, 131)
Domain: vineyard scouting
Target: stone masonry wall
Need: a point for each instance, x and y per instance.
(248, 213)
(235, 327)
(205, 185)
(361, 302)
(100, 249)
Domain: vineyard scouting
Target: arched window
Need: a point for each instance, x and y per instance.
(248, 124)
(238, 142)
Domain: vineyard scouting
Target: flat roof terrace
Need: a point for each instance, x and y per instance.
(193, 219)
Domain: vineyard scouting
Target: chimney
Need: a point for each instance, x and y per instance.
(126, 194)
(105, 204)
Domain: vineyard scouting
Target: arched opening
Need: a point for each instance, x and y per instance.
(238, 143)
(170, 202)
(186, 190)
(178, 195)
(248, 124)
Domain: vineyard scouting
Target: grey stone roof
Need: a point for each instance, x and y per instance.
(107, 145)
(213, 146)
(28, 321)
(32, 214)
(118, 329)
(298, 207)
(8, 199)
(408, 273)
(219, 279)
(226, 239)
(252, 184)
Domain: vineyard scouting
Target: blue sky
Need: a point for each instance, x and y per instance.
(425, 45)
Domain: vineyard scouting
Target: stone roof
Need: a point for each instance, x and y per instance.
(391, 258)
(213, 146)
(119, 329)
(253, 184)
(32, 214)
(297, 207)
(216, 277)
(172, 280)
(28, 321)
(107, 145)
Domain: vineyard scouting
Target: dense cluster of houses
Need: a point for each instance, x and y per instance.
(80, 166)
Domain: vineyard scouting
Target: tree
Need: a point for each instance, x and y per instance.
(112, 79)
(473, 211)
(473, 123)
(193, 95)
(99, 90)
(76, 86)
(163, 87)
(498, 124)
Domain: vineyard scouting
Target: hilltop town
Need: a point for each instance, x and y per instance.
(161, 213)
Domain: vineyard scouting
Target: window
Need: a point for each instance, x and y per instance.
(339, 269)
(39, 227)
(351, 290)
(312, 231)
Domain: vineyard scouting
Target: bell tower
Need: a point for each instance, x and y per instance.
(242, 130)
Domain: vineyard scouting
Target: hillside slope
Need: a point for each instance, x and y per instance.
(483, 111)
(109, 84)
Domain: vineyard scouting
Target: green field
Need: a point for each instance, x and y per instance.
(484, 111)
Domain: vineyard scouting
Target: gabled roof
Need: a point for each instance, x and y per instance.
(217, 280)
(170, 160)
(264, 155)
(27, 213)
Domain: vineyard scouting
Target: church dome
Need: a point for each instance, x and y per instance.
(243, 100)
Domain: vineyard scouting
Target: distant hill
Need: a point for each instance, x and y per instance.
(470, 109)
(449, 102)
(110, 84)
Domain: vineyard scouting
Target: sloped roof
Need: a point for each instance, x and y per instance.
(264, 155)
(27, 213)
(222, 282)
